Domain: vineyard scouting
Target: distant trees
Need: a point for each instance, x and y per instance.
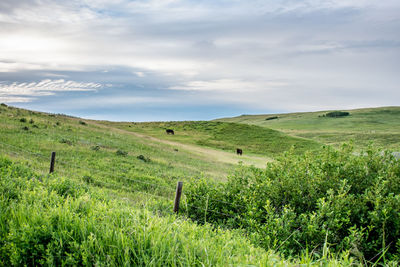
(336, 114)
(271, 118)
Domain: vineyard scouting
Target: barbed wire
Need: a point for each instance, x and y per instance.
(213, 211)
(96, 171)
(24, 150)
(217, 200)
(65, 163)
(117, 186)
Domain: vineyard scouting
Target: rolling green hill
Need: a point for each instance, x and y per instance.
(109, 201)
(226, 136)
(378, 125)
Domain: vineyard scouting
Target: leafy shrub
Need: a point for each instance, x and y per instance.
(335, 114)
(271, 118)
(351, 202)
(22, 120)
(25, 128)
(95, 148)
(66, 141)
(82, 123)
(3, 105)
(31, 121)
(143, 158)
(120, 152)
(88, 179)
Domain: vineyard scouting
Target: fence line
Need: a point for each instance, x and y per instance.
(72, 171)
(221, 201)
(213, 211)
(66, 163)
(114, 175)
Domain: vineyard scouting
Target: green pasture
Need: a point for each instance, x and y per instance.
(363, 126)
(252, 139)
(109, 201)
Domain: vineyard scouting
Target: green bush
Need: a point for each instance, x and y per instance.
(120, 152)
(271, 118)
(88, 179)
(65, 141)
(143, 158)
(82, 123)
(335, 114)
(95, 148)
(349, 201)
(22, 120)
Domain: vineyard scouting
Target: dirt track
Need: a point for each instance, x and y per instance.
(210, 153)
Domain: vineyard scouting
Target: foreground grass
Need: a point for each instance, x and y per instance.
(53, 221)
(50, 220)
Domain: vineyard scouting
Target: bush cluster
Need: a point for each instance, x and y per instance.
(271, 118)
(143, 158)
(95, 148)
(65, 141)
(347, 201)
(335, 114)
(120, 152)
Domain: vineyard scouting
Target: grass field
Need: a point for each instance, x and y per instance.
(110, 199)
(254, 140)
(378, 125)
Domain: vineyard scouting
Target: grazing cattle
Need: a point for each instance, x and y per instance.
(239, 151)
(170, 131)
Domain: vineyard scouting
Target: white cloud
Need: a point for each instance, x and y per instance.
(26, 92)
(228, 85)
(139, 74)
(210, 48)
(15, 99)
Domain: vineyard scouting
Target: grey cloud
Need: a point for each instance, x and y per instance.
(210, 47)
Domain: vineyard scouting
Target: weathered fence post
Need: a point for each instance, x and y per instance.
(53, 159)
(178, 196)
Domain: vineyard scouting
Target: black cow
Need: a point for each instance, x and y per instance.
(170, 131)
(239, 151)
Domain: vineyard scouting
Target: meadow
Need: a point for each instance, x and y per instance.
(363, 126)
(224, 136)
(109, 201)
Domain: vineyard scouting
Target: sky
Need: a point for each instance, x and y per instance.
(161, 60)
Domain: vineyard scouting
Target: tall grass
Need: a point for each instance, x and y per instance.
(48, 220)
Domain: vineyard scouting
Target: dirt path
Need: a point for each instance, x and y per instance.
(210, 153)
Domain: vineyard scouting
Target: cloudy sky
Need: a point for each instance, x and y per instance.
(138, 60)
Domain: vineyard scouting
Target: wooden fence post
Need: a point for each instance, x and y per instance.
(178, 196)
(53, 159)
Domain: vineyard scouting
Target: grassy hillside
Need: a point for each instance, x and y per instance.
(378, 125)
(109, 201)
(251, 139)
